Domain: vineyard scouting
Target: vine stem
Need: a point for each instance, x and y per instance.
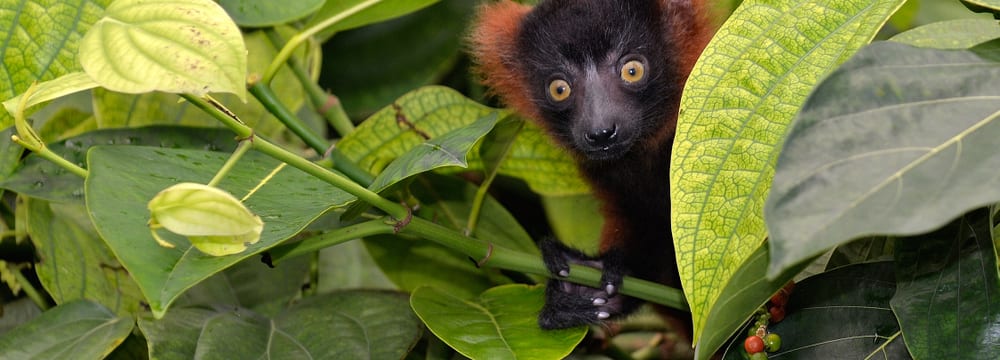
(301, 37)
(30, 290)
(47, 154)
(479, 251)
(241, 149)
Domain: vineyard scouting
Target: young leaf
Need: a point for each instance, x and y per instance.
(898, 141)
(737, 104)
(213, 220)
(44, 45)
(947, 290)
(48, 90)
(123, 179)
(188, 46)
(75, 330)
(501, 324)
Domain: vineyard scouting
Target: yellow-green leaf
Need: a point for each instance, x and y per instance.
(213, 220)
(186, 46)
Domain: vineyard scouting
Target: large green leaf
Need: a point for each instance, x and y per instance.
(116, 110)
(368, 68)
(40, 178)
(841, 314)
(737, 104)
(75, 330)
(74, 262)
(947, 291)
(500, 324)
(187, 46)
(40, 40)
(433, 111)
(340, 325)
(123, 179)
(899, 141)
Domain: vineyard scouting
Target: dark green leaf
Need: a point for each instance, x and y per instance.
(364, 12)
(500, 324)
(841, 314)
(369, 67)
(123, 179)
(341, 325)
(74, 261)
(897, 142)
(450, 149)
(258, 13)
(43, 179)
(75, 330)
(948, 290)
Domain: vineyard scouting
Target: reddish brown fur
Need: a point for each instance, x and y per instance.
(495, 40)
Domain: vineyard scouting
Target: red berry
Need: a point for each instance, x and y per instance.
(779, 299)
(753, 344)
(777, 314)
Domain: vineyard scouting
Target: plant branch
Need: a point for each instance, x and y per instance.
(325, 104)
(30, 290)
(267, 97)
(393, 209)
(47, 154)
(301, 37)
(241, 149)
(504, 258)
(283, 252)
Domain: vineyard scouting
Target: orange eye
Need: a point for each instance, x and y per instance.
(633, 71)
(559, 90)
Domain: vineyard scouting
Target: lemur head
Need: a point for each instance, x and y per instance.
(598, 73)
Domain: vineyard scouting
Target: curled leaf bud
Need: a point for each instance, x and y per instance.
(213, 220)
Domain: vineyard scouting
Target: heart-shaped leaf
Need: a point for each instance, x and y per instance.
(188, 46)
(75, 330)
(501, 324)
(123, 179)
(898, 141)
(737, 104)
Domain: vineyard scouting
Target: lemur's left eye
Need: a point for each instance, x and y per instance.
(559, 90)
(633, 71)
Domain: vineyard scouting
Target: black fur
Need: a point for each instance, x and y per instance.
(585, 43)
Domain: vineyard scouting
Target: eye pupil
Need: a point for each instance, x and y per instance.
(631, 71)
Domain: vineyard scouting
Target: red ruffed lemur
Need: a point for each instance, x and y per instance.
(604, 79)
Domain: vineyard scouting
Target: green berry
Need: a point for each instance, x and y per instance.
(772, 342)
(759, 356)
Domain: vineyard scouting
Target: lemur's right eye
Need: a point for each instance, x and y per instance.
(559, 90)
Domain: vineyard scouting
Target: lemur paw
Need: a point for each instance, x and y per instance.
(568, 304)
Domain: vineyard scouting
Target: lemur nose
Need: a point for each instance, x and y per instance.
(602, 137)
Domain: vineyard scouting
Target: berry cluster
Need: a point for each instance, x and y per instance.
(759, 341)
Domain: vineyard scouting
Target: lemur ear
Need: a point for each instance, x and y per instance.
(494, 48)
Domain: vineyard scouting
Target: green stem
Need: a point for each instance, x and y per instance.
(241, 149)
(47, 154)
(299, 38)
(30, 290)
(393, 209)
(266, 96)
(341, 235)
(504, 258)
(326, 104)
